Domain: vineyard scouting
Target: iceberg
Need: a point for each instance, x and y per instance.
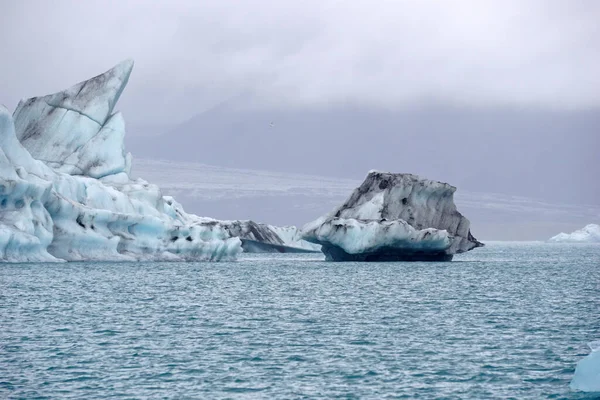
(255, 237)
(74, 200)
(588, 234)
(47, 215)
(394, 217)
(66, 193)
(291, 237)
(587, 371)
(262, 238)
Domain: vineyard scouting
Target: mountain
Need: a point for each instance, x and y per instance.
(547, 155)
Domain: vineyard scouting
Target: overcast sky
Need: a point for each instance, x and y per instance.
(193, 54)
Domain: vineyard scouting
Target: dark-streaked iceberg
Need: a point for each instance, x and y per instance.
(49, 215)
(76, 131)
(394, 217)
(255, 237)
(263, 238)
(66, 192)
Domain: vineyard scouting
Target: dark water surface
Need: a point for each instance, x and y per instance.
(506, 321)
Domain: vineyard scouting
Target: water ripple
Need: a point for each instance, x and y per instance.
(505, 321)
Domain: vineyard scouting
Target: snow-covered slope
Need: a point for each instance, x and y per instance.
(588, 234)
(394, 217)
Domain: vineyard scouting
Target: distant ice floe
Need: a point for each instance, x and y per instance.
(588, 234)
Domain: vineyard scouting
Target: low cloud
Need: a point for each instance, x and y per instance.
(191, 55)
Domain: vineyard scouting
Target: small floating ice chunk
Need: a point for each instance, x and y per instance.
(587, 372)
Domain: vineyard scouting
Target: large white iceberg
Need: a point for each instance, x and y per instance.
(588, 234)
(48, 215)
(587, 372)
(66, 191)
(77, 202)
(394, 217)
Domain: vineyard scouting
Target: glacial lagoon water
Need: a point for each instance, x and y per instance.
(510, 320)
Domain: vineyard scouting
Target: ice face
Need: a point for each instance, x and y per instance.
(292, 237)
(587, 372)
(75, 131)
(25, 225)
(588, 234)
(271, 238)
(357, 236)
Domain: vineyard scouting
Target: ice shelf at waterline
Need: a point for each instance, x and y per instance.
(394, 217)
(66, 193)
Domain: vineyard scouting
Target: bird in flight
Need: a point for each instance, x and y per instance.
(271, 124)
